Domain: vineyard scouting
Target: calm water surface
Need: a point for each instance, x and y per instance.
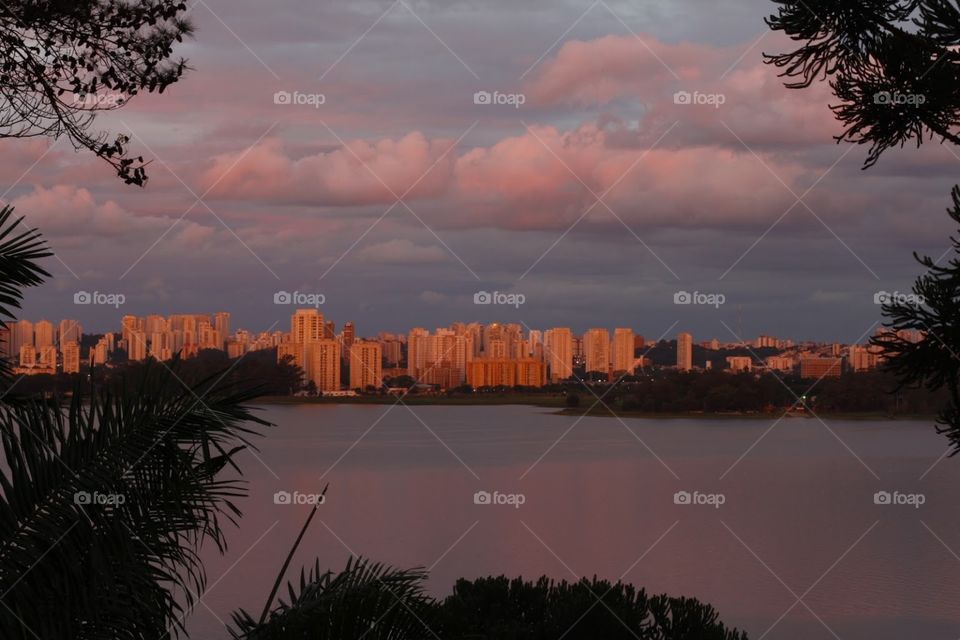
(798, 520)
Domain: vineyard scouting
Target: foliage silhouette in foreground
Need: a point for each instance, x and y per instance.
(20, 249)
(374, 602)
(932, 362)
(895, 67)
(107, 501)
(61, 62)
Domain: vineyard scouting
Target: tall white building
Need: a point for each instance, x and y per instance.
(365, 365)
(685, 352)
(417, 351)
(323, 364)
(306, 326)
(623, 359)
(558, 352)
(21, 335)
(43, 334)
(69, 331)
(596, 350)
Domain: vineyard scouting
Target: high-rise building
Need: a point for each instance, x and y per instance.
(558, 352)
(596, 350)
(69, 331)
(155, 324)
(505, 372)
(47, 358)
(43, 334)
(137, 346)
(28, 355)
(21, 334)
(685, 352)
(392, 349)
(417, 348)
(5, 352)
(623, 345)
(70, 352)
(100, 352)
(365, 365)
(306, 326)
(348, 336)
(323, 364)
(221, 323)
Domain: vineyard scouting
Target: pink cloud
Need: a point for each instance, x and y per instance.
(360, 173)
(755, 105)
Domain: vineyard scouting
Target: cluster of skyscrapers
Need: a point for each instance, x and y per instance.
(462, 354)
(42, 347)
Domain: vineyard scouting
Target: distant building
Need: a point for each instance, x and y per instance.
(739, 363)
(684, 352)
(43, 334)
(323, 364)
(623, 349)
(137, 346)
(70, 352)
(864, 358)
(69, 331)
(558, 353)
(526, 372)
(821, 367)
(348, 336)
(365, 364)
(780, 363)
(596, 350)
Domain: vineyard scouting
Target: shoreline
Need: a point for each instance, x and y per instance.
(558, 405)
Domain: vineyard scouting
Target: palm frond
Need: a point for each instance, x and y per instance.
(105, 502)
(20, 248)
(366, 600)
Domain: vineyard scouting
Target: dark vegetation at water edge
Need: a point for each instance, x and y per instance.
(666, 392)
(365, 598)
(271, 377)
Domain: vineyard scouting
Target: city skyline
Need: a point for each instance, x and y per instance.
(733, 335)
(400, 197)
(473, 354)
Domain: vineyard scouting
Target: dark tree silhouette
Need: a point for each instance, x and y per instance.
(892, 65)
(62, 61)
(934, 361)
(895, 67)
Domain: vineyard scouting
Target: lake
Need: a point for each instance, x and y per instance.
(775, 524)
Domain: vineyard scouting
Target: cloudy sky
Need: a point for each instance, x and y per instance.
(399, 197)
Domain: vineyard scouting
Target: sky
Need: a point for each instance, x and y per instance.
(348, 150)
